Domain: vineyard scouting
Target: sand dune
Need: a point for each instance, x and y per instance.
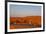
(33, 21)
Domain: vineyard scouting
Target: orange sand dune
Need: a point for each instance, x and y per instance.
(35, 21)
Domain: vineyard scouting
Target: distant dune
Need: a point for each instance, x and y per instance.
(32, 21)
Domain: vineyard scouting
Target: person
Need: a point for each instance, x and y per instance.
(30, 21)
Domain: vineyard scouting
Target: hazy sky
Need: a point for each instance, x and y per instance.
(24, 10)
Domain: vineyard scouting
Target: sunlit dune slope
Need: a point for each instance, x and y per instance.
(35, 21)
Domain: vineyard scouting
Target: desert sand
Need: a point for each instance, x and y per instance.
(25, 22)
